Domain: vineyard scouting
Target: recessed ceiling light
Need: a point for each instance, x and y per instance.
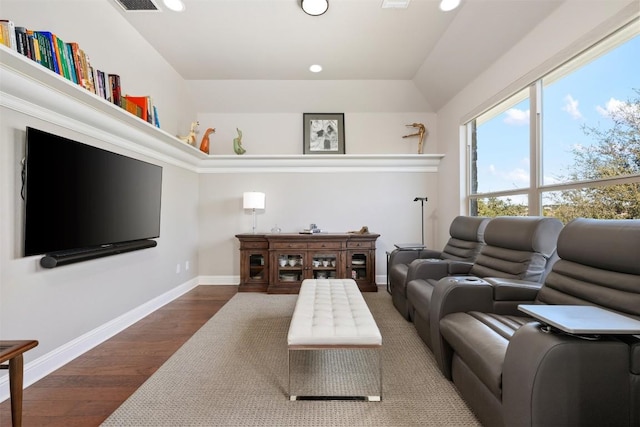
(314, 7)
(175, 5)
(315, 68)
(447, 5)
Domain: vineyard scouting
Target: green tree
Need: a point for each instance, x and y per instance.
(493, 206)
(615, 153)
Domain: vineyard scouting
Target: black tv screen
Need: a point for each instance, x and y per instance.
(78, 196)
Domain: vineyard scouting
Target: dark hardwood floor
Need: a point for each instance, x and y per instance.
(88, 389)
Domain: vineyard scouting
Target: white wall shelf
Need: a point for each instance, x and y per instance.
(32, 89)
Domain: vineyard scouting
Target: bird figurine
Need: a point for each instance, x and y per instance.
(237, 143)
(204, 145)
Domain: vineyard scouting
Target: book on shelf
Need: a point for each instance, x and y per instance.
(102, 85)
(76, 54)
(8, 31)
(71, 62)
(114, 87)
(35, 47)
(131, 107)
(142, 102)
(46, 40)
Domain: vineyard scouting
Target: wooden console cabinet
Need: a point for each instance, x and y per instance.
(278, 263)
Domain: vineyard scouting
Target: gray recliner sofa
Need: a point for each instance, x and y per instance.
(466, 238)
(513, 372)
(517, 254)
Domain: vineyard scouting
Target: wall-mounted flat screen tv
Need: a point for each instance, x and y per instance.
(78, 196)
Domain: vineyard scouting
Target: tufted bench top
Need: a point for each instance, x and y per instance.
(332, 312)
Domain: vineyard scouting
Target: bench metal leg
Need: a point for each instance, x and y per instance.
(371, 398)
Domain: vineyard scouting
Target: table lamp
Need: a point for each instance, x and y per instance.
(253, 200)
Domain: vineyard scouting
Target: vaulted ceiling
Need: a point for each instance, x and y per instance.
(355, 40)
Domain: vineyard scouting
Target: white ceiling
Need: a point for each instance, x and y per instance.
(354, 40)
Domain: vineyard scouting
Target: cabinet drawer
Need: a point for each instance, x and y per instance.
(289, 245)
(358, 245)
(254, 245)
(325, 245)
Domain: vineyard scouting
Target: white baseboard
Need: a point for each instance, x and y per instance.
(45, 364)
(219, 280)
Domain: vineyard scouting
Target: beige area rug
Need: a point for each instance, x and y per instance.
(233, 372)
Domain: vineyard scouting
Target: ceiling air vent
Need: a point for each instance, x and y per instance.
(138, 5)
(395, 4)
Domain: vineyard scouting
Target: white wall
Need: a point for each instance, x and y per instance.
(336, 202)
(376, 115)
(574, 26)
(59, 305)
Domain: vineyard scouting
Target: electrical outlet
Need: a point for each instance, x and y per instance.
(186, 265)
(177, 268)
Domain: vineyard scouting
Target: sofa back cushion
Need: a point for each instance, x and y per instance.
(517, 248)
(599, 265)
(467, 238)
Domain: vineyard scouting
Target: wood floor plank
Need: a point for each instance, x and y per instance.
(88, 389)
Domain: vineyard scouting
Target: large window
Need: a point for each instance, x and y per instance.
(568, 145)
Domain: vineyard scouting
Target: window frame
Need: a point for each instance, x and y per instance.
(536, 189)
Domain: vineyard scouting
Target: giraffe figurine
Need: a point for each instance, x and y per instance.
(191, 137)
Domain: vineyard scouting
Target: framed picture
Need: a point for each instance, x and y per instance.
(323, 133)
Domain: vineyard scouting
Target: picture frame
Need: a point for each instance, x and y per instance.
(323, 133)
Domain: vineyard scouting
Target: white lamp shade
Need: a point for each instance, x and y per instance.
(253, 200)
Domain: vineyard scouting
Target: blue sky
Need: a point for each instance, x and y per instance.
(585, 96)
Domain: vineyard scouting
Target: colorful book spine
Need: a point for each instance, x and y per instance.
(71, 62)
(35, 46)
(143, 103)
(114, 86)
(8, 29)
(46, 37)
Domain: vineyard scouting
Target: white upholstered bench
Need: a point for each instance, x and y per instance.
(332, 314)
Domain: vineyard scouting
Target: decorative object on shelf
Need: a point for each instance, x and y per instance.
(422, 132)
(204, 145)
(422, 200)
(253, 200)
(191, 138)
(276, 230)
(237, 143)
(363, 230)
(323, 133)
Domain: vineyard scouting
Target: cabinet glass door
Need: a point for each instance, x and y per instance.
(290, 267)
(359, 265)
(257, 270)
(324, 265)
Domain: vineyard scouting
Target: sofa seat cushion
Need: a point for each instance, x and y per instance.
(481, 340)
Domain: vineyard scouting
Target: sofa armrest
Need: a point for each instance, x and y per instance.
(429, 268)
(459, 268)
(549, 378)
(429, 253)
(513, 289)
(400, 256)
(452, 295)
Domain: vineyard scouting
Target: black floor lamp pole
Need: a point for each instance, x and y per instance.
(422, 200)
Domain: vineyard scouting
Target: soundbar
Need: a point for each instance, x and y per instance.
(56, 259)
